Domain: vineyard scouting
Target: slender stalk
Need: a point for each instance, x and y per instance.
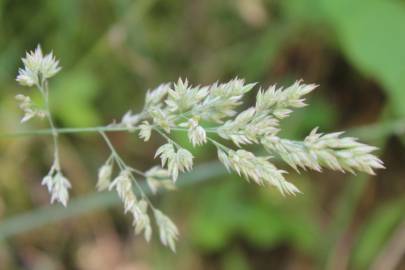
(167, 137)
(117, 156)
(43, 88)
(123, 166)
(218, 144)
(42, 132)
(368, 132)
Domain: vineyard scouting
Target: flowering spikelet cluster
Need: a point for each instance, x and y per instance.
(207, 114)
(249, 126)
(57, 185)
(168, 231)
(138, 208)
(158, 178)
(258, 169)
(196, 133)
(329, 150)
(279, 102)
(104, 175)
(38, 68)
(29, 108)
(180, 160)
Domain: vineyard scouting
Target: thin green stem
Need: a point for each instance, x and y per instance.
(124, 166)
(219, 145)
(40, 132)
(43, 88)
(137, 171)
(67, 131)
(368, 132)
(117, 157)
(143, 194)
(167, 137)
(114, 153)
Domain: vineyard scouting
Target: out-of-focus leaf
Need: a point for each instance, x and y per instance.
(266, 49)
(73, 94)
(235, 260)
(228, 211)
(298, 10)
(376, 231)
(8, 58)
(319, 113)
(372, 35)
(212, 224)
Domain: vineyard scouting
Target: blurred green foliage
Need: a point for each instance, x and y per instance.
(370, 33)
(112, 51)
(376, 231)
(228, 210)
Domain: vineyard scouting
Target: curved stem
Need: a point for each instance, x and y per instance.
(123, 166)
(43, 88)
(167, 137)
(116, 156)
(219, 145)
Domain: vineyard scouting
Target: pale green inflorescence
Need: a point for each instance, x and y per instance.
(203, 112)
(38, 68)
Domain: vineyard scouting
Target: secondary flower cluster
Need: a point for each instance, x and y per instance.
(126, 186)
(57, 185)
(38, 68)
(208, 114)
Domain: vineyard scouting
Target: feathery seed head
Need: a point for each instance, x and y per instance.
(145, 131)
(182, 160)
(196, 133)
(104, 176)
(157, 178)
(29, 109)
(168, 231)
(154, 97)
(37, 68)
(58, 186)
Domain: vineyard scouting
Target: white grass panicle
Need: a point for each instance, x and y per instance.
(38, 68)
(208, 114)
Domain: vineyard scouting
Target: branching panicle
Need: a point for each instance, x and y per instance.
(201, 111)
(36, 72)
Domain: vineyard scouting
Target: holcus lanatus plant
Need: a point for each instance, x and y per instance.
(206, 113)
